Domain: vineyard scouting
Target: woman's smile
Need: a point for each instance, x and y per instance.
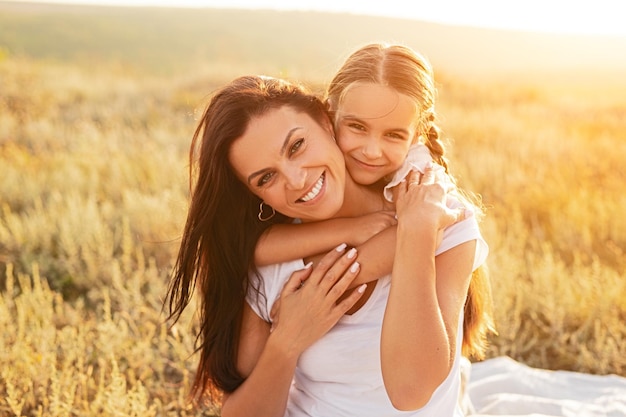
(292, 163)
(317, 187)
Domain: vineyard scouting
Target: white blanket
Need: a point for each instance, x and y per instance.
(504, 387)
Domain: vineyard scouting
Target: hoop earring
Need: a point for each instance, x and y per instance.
(260, 216)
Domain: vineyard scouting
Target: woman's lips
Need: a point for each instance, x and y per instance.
(317, 187)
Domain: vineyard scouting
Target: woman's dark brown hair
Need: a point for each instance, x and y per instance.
(222, 228)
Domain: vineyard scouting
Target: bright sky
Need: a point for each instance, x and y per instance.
(560, 16)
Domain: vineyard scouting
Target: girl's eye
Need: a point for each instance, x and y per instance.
(264, 179)
(396, 136)
(296, 146)
(356, 126)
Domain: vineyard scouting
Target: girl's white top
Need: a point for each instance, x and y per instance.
(340, 375)
(416, 160)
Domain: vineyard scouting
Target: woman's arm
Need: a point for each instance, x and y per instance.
(286, 242)
(267, 359)
(260, 359)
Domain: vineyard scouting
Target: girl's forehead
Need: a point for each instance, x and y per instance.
(368, 101)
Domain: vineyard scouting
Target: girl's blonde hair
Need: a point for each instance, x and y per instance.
(410, 73)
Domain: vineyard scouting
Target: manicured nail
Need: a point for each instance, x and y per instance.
(361, 289)
(354, 267)
(307, 266)
(351, 253)
(468, 213)
(341, 247)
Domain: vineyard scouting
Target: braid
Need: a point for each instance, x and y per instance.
(433, 141)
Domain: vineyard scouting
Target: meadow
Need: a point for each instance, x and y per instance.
(94, 191)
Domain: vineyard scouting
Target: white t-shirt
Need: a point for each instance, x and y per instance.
(416, 160)
(340, 374)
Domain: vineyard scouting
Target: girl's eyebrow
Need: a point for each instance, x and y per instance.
(349, 117)
(282, 151)
(353, 118)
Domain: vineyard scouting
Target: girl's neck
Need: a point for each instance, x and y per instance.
(361, 199)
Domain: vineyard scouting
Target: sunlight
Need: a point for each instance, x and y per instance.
(600, 17)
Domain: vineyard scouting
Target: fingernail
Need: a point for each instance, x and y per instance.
(307, 266)
(341, 247)
(354, 267)
(361, 289)
(468, 213)
(351, 253)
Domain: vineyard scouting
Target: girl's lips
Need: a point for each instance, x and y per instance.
(366, 165)
(315, 190)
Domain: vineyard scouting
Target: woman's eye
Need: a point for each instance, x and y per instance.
(296, 146)
(264, 179)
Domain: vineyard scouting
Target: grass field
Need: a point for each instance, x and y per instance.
(93, 186)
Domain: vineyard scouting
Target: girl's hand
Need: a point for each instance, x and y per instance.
(421, 200)
(366, 226)
(308, 306)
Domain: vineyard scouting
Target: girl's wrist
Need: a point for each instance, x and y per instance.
(420, 235)
(419, 227)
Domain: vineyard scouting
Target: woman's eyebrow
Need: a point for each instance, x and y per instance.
(282, 151)
(287, 138)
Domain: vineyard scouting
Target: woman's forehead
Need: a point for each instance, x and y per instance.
(267, 137)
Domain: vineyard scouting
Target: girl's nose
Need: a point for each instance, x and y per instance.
(371, 149)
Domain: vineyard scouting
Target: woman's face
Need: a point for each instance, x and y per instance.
(291, 162)
(375, 126)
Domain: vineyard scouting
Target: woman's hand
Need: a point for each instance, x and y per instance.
(268, 358)
(308, 306)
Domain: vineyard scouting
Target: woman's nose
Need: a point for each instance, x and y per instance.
(295, 178)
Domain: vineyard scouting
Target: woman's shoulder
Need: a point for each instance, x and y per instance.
(266, 284)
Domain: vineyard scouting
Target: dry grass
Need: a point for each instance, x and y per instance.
(548, 161)
(93, 184)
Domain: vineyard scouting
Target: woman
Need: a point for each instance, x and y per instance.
(266, 140)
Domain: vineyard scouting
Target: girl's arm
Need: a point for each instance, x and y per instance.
(378, 253)
(427, 295)
(286, 242)
(267, 359)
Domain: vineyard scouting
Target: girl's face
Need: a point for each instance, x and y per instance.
(291, 162)
(375, 126)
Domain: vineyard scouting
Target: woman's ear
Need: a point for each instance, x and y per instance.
(328, 125)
